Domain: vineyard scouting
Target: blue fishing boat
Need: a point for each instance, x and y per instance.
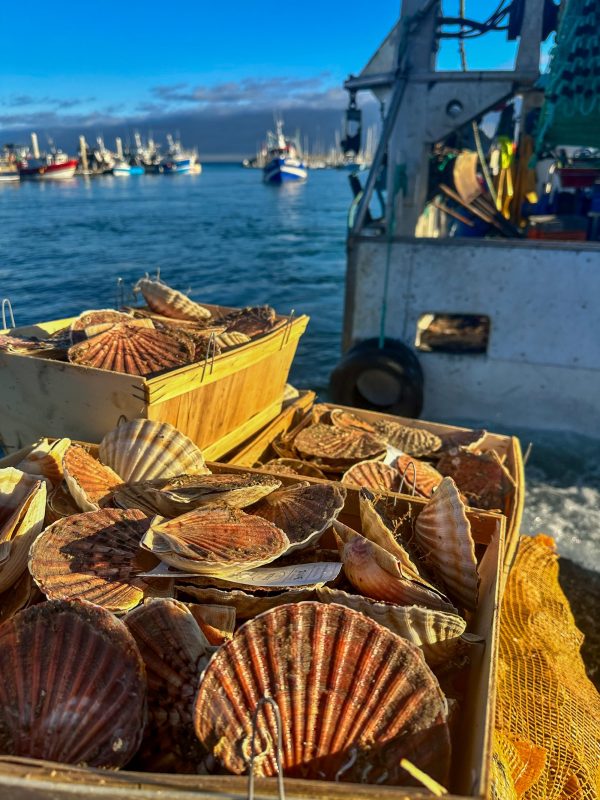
(179, 160)
(284, 162)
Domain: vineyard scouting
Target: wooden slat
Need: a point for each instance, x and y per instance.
(242, 432)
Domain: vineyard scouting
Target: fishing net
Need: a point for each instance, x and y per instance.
(571, 111)
(547, 741)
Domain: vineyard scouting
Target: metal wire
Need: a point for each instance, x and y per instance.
(279, 747)
(7, 304)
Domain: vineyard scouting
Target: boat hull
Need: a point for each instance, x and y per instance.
(279, 170)
(50, 172)
(8, 176)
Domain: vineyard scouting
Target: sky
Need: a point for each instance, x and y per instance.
(105, 63)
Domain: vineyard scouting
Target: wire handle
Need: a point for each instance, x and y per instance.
(210, 353)
(403, 478)
(287, 331)
(7, 304)
(281, 789)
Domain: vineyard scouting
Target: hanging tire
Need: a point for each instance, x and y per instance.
(388, 379)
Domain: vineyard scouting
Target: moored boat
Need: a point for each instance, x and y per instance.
(179, 160)
(8, 167)
(55, 165)
(284, 162)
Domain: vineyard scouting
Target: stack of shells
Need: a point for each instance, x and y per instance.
(136, 630)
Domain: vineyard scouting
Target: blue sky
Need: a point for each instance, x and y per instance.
(111, 60)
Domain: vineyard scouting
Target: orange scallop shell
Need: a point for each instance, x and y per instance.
(128, 348)
(481, 478)
(374, 475)
(216, 622)
(252, 320)
(170, 302)
(427, 477)
(337, 446)
(292, 466)
(413, 441)
(73, 686)
(346, 419)
(46, 459)
(89, 482)
(354, 698)
(94, 321)
(95, 556)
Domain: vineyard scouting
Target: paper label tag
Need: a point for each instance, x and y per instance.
(267, 577)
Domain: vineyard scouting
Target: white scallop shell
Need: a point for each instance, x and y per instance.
(165, 300)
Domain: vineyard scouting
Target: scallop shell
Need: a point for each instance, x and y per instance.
(320, 412)
(169, 302)
(143, 449)
(376, 574)
(175, 651)
(95, 556)
(425, 477)
(252, 320)
(437, 633)
(469, 439)
(73, 686)
(443, 533)
(19, 344)
(22, 594)
(336, 446)
(374, 475)
(246, 604)
(354, 699)
(22, 510)
(292, 466)
(46, 459)
(229, 339)
(215, 540)
(128, 348)
(60, 504)
(481, 478)
(88, 323)
(303, 512)
(341, 418)
(413, 441)
(216, 622)
(172, 496)
(89, 482)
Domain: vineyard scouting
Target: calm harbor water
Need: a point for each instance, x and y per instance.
(231, 240)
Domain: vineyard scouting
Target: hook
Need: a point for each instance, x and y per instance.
(267, 701)
(120, 292)
(403, 478)
(7, 304)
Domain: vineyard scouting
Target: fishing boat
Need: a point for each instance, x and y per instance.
(9, 170)
(283, 161)
(54, 165)
(461, 305)
(178, 160)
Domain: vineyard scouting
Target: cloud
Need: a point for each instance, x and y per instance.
(24, 100)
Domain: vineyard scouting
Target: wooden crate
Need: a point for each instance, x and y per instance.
(259, 449)
(218, 403)
(32, 779)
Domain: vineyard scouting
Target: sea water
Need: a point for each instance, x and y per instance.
(229, 239)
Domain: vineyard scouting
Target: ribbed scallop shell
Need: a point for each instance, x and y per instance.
(246, 604)
(165, 300)
(89, 482)
(22, 594)
(22, 510)
(229, 339)
(73, 686)
(128, 348)
(337, 446)
(469, 439)
(482, 478)
(170, 497)
(354, 698)
(95, 556)
(424, 477)
(215, 540)
(374, 475)
(437, 633)
(413, 441)
(443, 533)
(293, 466)
(216, 622)
(143, 449)
(174, 651)
(376, 574)
(303, 512)
(60, 504)
(46, 459)
(252, 320)
(88, 323)
(346, 419)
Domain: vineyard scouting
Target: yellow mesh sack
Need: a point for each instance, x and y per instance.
(547, 741)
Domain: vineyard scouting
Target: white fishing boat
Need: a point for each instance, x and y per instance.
(9, 171)
(283, 161)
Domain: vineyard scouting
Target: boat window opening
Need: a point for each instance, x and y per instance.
(453, 333)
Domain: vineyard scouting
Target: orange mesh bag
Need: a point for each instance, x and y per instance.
(547, 742)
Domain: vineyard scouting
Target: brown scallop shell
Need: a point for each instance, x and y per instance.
(252, 320)
(22, 594)
(303, 512)
(443, 533)
(215, 540)
(469, 439)
(375, 573)
(174, 651)
(336, 446)
(136, 351)
(46, 460)
(481, 478)
(246, 604)
(170, 497)
(354, 699)
(293, 466)
(374, 475)
(22, 511)
(229, 339)
(341, 418)
(73, 686)
(437, 633)
(170, 302)
(143, 449)
(89, 323)
(413, 441)
(90, 483)
(217, 622)
(95, 556)
(423, 477)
